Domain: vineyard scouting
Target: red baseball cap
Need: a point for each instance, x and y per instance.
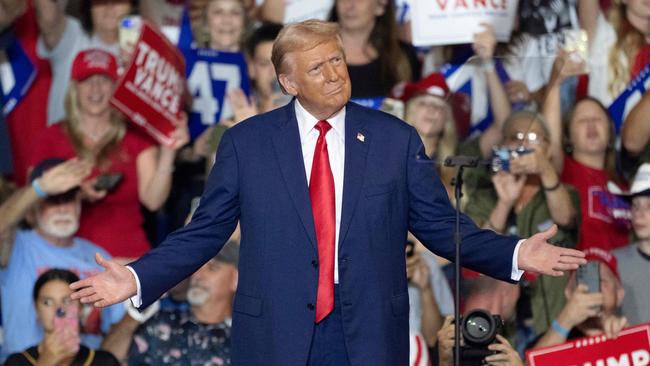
(602, 256)
(433, 84)
(92, 62)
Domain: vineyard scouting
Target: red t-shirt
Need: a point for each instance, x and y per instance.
(599, 226)
(114, 222)
(29, 118)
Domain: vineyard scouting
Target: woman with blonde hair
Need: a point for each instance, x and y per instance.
(614, 45)
(129, 170)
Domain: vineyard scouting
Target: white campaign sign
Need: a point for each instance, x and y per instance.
(442, 22)
(299, 10)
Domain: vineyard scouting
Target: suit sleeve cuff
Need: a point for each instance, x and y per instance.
(515, 274)
(136, 300)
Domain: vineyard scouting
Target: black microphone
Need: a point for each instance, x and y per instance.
(465, 161)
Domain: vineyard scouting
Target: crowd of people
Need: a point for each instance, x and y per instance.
(80, 183)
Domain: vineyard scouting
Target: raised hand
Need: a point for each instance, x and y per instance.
(537, 255)
(537, 162)
(65, 176)
(580, 305)
(242, 107)
(567, 64)
(89, 193)
(180, 135)
(517, 91)
(508, 187)
(613, 324)
(112, 286)
(485, 42)
(59, 346)
(417, 271)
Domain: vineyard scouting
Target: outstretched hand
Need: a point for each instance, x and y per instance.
(537, 255)
(112, 286)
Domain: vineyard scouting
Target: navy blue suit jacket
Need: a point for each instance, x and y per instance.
(259, 179)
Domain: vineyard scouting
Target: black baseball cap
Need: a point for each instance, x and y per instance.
(46, 165)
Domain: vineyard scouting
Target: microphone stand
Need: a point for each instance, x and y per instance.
(461, 162)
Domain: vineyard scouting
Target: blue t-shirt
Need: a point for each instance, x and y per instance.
(31, 256)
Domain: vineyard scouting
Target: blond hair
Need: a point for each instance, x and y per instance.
(72, 126)
(202, 35)
(447, 141)
(300, 37)
(628, 42)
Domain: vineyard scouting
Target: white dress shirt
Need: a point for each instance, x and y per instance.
(335, 139)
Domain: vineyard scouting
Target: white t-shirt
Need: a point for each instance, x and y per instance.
(73, 40)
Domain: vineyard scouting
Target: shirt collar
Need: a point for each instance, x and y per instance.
(306, 122)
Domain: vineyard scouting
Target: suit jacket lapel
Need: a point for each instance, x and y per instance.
(286, 140)
(357, 140)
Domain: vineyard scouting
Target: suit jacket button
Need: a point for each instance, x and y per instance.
(314, 263)
(310, 306)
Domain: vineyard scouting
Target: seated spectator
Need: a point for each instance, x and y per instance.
(62, 37)
(590, 163)
(527, 197)
(376, 59)
(94, 130)
(504, 354)
(58, 317)
(199, 335)
(634, 259)
(589, 313)
(51, 243)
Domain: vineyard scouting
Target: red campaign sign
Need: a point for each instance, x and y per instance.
(149, 93)
(631, 348)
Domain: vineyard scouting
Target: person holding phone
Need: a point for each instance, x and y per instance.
(52, 207)
(59, 317)
(589, 311)
(129, 170)
(525, 196)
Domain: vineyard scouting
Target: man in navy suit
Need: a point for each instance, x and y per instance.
(322, 278)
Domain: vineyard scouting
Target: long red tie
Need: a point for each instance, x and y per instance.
(321, 192)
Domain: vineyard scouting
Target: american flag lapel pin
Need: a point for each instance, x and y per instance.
(361, 137)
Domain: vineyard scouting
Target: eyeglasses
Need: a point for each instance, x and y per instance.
(531, 137)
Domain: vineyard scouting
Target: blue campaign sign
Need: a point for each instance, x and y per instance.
(624, 103)
(17, 72)
(210, 76)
